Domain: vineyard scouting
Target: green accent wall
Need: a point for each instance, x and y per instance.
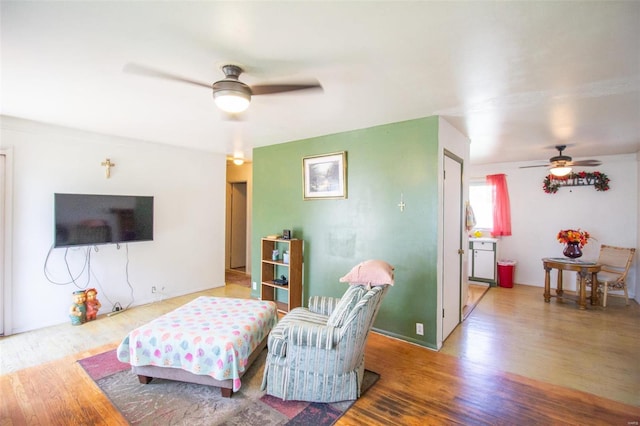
(383, 162)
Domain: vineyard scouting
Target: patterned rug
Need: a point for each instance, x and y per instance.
(176, 403)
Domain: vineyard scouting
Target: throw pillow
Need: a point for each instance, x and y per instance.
(345, 305)
(370, 272)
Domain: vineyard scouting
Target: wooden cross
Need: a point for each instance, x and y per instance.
(402, 204)
(108, 165)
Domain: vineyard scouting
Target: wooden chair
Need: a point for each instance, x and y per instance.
(615, 263)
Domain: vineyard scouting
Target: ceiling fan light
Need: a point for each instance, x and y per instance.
(232, 101)
(560, 171)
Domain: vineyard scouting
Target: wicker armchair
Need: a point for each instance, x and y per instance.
(317, 354)
(615, 263)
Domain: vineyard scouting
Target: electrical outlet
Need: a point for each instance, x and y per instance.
(153, 289)
(255, 285)
(419, 329)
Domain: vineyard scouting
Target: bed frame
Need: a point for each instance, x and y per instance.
(148, 372)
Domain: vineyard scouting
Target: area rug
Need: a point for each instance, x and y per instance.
(165, 402)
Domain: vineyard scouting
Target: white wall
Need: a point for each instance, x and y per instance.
(611, 217)
(187, 253)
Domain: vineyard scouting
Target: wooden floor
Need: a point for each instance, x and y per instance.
(475, 292)
(238, 276)
(515, 360)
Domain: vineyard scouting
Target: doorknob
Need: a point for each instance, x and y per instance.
(460, 251)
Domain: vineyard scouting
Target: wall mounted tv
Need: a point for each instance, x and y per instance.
(87, 220)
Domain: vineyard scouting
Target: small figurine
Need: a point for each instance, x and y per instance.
(92, 304)
(78, 311)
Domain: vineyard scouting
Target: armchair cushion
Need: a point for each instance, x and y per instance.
(279, 335)
(345, 305)
(314, 335)
(370, 272)
(609, 277)
(323, 304)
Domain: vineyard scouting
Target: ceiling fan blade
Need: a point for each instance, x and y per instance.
(586, 163)
(151, 72)
(269, 89)
(539, 165)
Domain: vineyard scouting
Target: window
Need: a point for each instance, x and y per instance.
(481, 202)
(490, 202)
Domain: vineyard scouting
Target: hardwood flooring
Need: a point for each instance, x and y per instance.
(238, 277)
(422, 387)
(474, 295)
(515, 360)
(56, 393)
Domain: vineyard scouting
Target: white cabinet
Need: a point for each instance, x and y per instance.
(482, 265)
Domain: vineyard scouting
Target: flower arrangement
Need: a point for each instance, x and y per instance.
(567, 236)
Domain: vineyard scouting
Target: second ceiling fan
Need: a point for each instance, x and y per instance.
(560, 165)
(230, 94)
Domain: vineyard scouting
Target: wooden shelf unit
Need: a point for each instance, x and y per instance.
(272, 269)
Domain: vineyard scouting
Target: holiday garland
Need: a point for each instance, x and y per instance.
(600, 181)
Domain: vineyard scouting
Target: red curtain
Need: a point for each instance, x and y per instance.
(501, 205)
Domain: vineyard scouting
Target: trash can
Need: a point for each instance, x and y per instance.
(505, 273)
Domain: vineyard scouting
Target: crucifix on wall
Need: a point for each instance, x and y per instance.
(107, 164)
(402, 205)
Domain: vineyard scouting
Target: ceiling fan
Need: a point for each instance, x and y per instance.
(560, 165)
(230, 94)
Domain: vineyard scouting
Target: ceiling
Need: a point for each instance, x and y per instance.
(516, 77)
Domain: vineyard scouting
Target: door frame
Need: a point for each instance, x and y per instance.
(459, 242)
(233, 214)
(6, 240)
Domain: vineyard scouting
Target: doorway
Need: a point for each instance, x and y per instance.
(6, 160)
(237, 226)
(452, 244)
(2, 236)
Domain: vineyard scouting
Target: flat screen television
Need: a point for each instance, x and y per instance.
(88, 219)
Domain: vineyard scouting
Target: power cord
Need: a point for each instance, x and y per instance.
(117, 307)
(72, 279)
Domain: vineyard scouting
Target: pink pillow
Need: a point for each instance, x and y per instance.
(370, 272)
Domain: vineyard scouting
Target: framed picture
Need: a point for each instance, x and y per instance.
(325, 176)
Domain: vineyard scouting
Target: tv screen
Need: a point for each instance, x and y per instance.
(87, 220)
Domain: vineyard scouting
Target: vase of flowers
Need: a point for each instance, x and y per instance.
(574, 240)
(572, 250)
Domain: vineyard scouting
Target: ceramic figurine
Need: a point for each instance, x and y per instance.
(93, 304)
(78, 311)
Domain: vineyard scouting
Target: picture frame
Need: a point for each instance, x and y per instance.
(325, 176)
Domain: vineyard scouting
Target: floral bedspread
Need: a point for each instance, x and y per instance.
(211, 336)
